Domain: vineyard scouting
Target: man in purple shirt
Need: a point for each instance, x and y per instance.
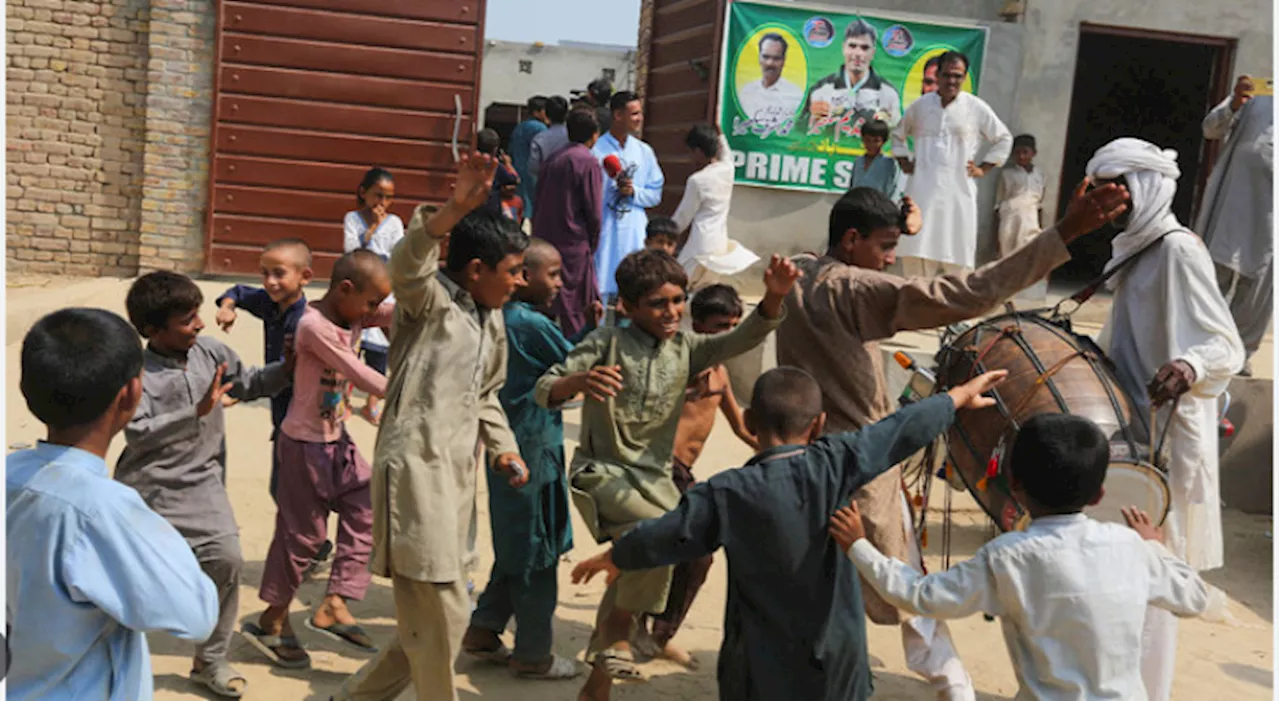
(567, 216)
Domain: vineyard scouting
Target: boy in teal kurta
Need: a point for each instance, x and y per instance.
(531, 528)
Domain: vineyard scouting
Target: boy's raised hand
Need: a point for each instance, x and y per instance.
(213, 397)
(779, 278)
(845, 526)
(970, 395)
(475, 181)
(226, 316)
(585, 570)
(1139, 521)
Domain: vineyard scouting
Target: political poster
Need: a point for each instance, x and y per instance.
(797, 84)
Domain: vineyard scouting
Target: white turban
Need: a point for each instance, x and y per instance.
(1151, 174)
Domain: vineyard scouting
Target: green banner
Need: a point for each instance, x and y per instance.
(797, 84)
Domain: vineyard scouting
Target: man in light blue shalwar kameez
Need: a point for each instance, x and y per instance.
(625, 199)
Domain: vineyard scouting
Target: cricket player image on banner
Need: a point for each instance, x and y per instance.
(798, 84)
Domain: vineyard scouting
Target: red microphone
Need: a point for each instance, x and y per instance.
(612, 166)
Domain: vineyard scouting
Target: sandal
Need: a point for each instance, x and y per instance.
(218, 677)
(352, 635)
(498, 655)
(271, 645)
(561, 668)
(618, 667)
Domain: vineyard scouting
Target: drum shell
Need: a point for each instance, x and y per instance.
(1051, 370)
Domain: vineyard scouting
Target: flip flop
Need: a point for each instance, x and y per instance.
(561, 668)
(353, 635)
(618, 667)
(498, 655)
(218, 678)
(270, 644)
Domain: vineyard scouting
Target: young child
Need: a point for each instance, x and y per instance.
(531, 525)
(1020, 197)
(504, 199)
(374, 228)
(635, 379)
(662, 234)
(1071, 592)
(279, 303)
(321, 469)
(873, 169)
(448, 363)
(794, 625)
(175, 453)
(90, 569)
(716, 309)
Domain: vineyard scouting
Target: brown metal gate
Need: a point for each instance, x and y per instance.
(311, 93)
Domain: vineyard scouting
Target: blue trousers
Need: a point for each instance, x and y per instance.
(531, 600)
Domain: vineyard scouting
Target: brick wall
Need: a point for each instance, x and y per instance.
(108, 118)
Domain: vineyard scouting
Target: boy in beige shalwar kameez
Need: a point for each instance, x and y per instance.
(448, 360)
(840, 309)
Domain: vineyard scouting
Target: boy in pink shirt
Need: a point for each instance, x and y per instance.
(320, 468)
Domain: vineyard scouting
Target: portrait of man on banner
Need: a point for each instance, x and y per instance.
(855, 89)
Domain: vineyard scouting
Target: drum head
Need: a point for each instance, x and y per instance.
(1131, 484)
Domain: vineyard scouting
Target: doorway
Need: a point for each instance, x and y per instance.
(1151, 85)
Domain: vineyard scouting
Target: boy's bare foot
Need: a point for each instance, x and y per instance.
(679, 655)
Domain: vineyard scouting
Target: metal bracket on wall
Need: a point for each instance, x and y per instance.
(699, 66)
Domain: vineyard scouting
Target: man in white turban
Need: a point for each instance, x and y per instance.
(1235, 218)
(1171, 337)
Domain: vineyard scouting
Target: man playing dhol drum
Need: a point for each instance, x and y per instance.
(1171, 337)
(845, 304)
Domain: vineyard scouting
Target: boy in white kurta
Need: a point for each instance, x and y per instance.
(1171, 336)
(1020, 197)
(1070, 591)
(706, 251)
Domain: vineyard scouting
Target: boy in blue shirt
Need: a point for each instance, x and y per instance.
(90, 569)
(873, 169)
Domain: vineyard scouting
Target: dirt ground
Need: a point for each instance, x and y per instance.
(1214, 661)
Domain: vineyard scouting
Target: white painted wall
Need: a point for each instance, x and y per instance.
(556, 69)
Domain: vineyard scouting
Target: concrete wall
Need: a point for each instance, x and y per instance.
(108, 119)
(556, 69)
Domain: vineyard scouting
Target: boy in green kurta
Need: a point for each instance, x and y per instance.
(634, 379)
(530, 525)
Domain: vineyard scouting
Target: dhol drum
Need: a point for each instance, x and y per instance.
(1051, 369)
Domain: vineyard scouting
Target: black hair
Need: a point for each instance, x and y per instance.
(488, 141)
(291, 243)
(644, 271)
(876, 128)
(600, 90)
(716, 300)
(537, 103)
(358, 266)
(784, 402)
(862, 208)
(661, 226)
(485, 235)
(1060, 461)
(1024, 140)
(704, 138)
(950, 56)
(582, 124)
(557, 109)
(772, 36)
(620, 100)
(75, 362)
(936, 62)
(860, 28)
(157, 297)
(372, 177)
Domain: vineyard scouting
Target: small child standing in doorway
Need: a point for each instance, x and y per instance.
(373, 227)
(662, 234)
(873, 169)
(715, 310)
(1020, 197)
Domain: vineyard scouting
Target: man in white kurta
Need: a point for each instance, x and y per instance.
(772, 99)
(948, 127)
(708, 253)
(1235, 217)
(1170, 335)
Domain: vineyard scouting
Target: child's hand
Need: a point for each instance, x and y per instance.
(914, 219)
(213, 397)
(585, 570)
(226, 317)
(1139, 521)
(970, 394)
(513, 466)
(597, 311)
(475, 181)
(603, 382)
(846, 527)
(379, 215)
(780, 276)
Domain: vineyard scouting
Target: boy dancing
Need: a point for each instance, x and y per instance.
(794, 625)
(175, 453)
(635, 379)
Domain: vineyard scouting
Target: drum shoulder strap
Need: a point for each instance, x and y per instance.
(1083, 295)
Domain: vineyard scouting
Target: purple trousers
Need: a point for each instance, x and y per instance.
(314, 479)
(687, 577)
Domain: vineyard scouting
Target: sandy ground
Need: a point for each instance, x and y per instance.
(1214, 661)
